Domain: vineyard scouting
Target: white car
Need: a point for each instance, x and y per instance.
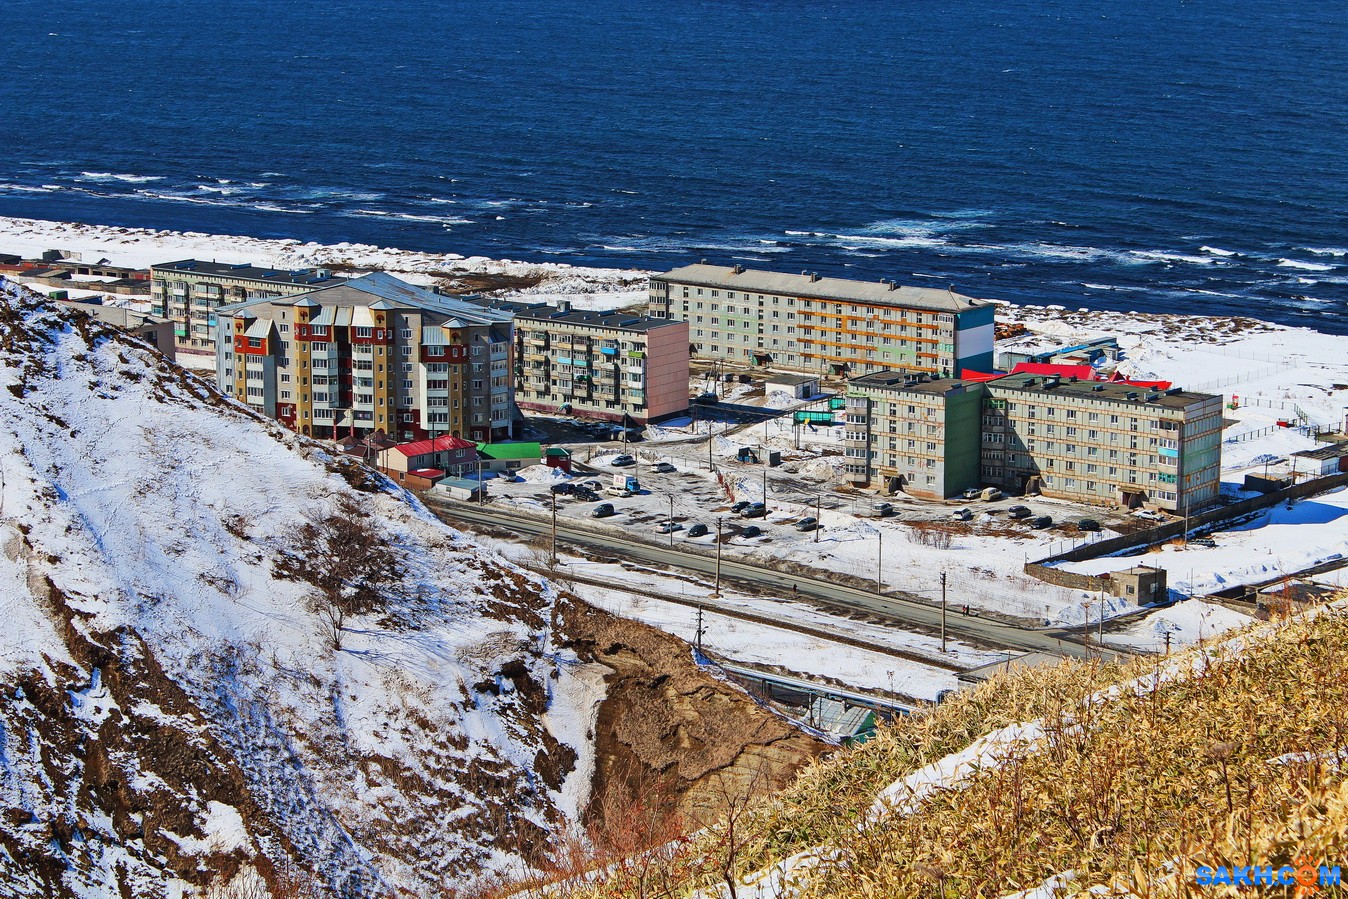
(1149, 514)
(663, 467)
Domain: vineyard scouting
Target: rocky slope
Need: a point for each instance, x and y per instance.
(175, 712)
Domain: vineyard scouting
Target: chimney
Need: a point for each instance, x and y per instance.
(814, 276)
(737, 270)
(563, 305)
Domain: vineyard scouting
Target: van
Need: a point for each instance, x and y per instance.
(991, 494)
(754, 510)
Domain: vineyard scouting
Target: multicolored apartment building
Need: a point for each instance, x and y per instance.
(367, 355)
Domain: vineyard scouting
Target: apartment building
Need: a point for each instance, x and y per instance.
(599, 365)
(824, 326)
(1102, 442)
(371, 354)
(1097, 442)
(913, 435)
(190, 292)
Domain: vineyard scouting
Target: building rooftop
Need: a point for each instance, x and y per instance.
(383, 291)
(907, 382)
(316, 277)
(1104, 391)
(434, 445)
(503, 452)
(610, 319)
(886, 293)
(792, 380)
(1320, 453)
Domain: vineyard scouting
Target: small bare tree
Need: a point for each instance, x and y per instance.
(348, 562)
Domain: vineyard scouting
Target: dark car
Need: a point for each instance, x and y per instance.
(1019, 512)
(585, 494)
(752, 530)
(706, 399)
(1088, 524)
(807, 524)
(1041, 521)
(754, 510)
(697, 530)
(563, 489)
(739, 507)
(603, 510)
(623, 460)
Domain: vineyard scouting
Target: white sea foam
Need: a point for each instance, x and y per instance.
(114, 176)
(1170, 258)
(1325, 251)
(1305, 266)
(1217, 251)
(410, 217)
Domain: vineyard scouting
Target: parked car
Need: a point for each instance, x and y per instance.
(991, 494)
(1019, 512)
(1149, 514)
(961, 515)
(972, 493)
(706, 399)
(739, 507)
(754, 510)
(697, 530)
(752, 531)
(1088, 524)
(585, 494)
(663, 467)
(603, 510)
(563, 489)
(670, 527)
(807, 524)
(623, 460)
(1041, 521)
(592, 485)
(880, 510)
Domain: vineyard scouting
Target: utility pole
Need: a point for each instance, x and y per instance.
(879, 560)
(1100, 643)
(818, 510)
(671, 519)
(765, 483)
(717, 591)
(554, 530)
(481, 490)
(700, 630)
(710, 438)
(943, 646)
(1086, 627)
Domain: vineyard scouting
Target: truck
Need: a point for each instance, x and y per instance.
(623, 485)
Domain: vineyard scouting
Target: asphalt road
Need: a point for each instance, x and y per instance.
(892, 605)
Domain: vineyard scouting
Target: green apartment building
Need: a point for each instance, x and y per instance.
(912, 434)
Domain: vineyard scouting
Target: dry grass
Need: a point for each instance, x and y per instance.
(1130, 792)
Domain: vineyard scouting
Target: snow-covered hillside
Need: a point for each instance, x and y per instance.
(170, 708)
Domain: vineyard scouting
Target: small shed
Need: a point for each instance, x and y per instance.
(461, 488)
(558, 457)
(801, 387)
(1141, 585)
(1323, 459)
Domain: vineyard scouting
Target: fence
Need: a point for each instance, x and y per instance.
(1044, 569)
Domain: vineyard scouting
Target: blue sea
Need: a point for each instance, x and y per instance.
(1155, 155)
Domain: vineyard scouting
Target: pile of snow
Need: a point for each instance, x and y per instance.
(541, 474)
(1185, 623)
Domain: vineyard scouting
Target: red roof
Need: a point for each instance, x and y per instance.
(1080, 372)
(1150, 385)
(437, 445)
(428, 472)
(968, 374)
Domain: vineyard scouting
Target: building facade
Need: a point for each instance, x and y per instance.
(600, 365)
(824, 326)
(1097, 442)
(190, 292)
(370, 355)
(913, 435)
(1103, 442)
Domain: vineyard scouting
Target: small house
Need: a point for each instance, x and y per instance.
(509, 456)
(800, 387)
(421, 463)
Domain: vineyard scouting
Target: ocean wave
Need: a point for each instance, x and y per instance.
(913, 240)
(1305, 266)
(29, 189)
(114, 176)
(409, 217)
(905, 228)
(1217, 251)
(1325, 251)
(1170, 258)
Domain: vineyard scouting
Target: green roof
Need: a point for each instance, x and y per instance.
(509, 451)
(558, 451)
